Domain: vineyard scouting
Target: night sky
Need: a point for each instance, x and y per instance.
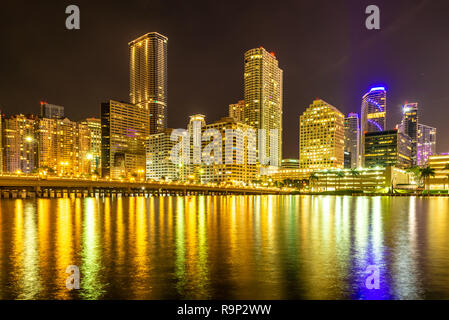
(322, 46)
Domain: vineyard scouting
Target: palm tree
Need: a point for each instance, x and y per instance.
(313, 178)
(354, 173)
(425, 174)
(416, 171)
(339, 175)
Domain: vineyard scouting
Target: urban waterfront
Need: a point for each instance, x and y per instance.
(225, 247)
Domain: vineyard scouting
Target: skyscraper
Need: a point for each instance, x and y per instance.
(63, 147)
(387, 148)
(124, 133)
(158, 163)
(409, 126)
(321, 137)
(237, 111)
(373, 114)
(51, 111)
(352, 139)
(374, 109)
(20, 144)
(94, 154)
(148, 77)
(233, 154)
(426, 144)
(263, 98)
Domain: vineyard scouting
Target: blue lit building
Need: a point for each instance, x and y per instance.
(373, 113)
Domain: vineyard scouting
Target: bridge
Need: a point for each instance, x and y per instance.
(57, 187)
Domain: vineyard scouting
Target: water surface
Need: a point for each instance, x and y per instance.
(225, 247)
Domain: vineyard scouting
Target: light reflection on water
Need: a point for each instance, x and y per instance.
(229, 247)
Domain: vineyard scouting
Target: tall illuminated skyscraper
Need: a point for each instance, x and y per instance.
(263, 97)
(352, 139)
(374, 110)
(321, 137)
(409, 126)
(426, 144)
(148, 77)
(373, 115)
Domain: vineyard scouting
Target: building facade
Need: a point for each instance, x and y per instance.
(321, 137)
(94, 154)
(409, 126)
(237, 111)
(220, 152)
(379, 179)
(373, 114)
(124, 135)
(263, 99)
(426, 143)
(441, 179)
(352, 140)
(63, 147)
(51, 111)
(20, 144)
(290, 164)
(387, 148)
(158, 163)
(148, 78)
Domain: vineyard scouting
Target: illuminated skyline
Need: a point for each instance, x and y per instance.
(80, 69)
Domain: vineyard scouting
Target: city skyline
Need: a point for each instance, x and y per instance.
(334, 78)
(200, 155)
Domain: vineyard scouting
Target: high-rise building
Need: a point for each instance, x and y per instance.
(148, 78)
(374, 110)
(63, 147)
(321, 137)
(352, 140)
(263, 99)
(124, 134)
(232, 154)
(94, 153)
(373, 114)
(387, 148)
(236, 170)
(409, 126)
(158, 163)
(51, 111)
(426, 144)
(20, 144)
(237, 111)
